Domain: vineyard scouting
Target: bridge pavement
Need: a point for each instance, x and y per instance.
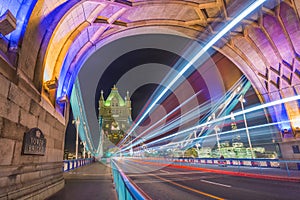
(168, 182)
(92, 181)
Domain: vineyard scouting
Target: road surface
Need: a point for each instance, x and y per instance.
(182, 184)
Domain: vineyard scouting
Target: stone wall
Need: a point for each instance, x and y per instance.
(288, 153)
(22, 107)
(286, 148)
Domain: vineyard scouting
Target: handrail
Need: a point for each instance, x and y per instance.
(262, 162)
(269, 167)
(75, 163)
(131, 190)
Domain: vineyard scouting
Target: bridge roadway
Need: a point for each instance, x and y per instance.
(179, 183)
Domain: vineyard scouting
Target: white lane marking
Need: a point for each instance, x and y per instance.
(214, 183)
(164, 171)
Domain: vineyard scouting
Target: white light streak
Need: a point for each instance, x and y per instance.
(166, 116)
(256, 108)
(219, 35)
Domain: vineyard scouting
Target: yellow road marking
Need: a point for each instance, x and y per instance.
(188, 188)
(185, 187)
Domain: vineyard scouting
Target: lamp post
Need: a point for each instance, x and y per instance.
(242, 100)
(84, 143)
(76, 122)
(216, 129)
(198, 150)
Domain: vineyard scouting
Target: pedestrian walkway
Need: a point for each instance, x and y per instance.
(91, 182)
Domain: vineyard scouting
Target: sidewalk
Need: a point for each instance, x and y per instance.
(92, 181)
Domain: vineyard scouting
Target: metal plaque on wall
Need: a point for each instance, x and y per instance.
(34, 142)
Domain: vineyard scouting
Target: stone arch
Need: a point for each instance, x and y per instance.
(102, 20)
(267, 50)
(23, 53)
(116, 23)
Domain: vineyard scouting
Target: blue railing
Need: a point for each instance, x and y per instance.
(270, 163)
(272, 167)
(73, 164)
(125, 188)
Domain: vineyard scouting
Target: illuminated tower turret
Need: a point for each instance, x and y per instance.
(128, 104)
(101, 100)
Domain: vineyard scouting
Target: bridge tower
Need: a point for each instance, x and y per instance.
(114, 116)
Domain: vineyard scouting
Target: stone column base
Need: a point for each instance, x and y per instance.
(35, 191)
(288, 150)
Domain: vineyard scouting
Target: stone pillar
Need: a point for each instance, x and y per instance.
(290, 150)
(22, 108)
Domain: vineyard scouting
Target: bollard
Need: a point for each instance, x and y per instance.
(260, 168)
(287, 168)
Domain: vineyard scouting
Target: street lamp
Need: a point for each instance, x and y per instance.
(76, 122)
(198, 150)
(242, 100)
(216, 128)
(83, 143)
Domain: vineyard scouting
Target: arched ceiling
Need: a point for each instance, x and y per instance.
(53, 38)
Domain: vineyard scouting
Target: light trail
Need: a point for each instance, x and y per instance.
(266, 105)
(199, 110)
(170, 113)
(173, 124)
(221, 133)
(195, 140)
(218, 36)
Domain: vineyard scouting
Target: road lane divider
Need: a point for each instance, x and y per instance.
(215, 183)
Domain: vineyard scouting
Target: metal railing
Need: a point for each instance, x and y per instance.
(73, 164)
(125, 188)
(269, 167)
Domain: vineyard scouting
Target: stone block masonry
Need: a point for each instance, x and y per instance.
(21, 109)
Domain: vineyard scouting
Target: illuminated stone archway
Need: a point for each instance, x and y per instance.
(241, 46)
(50, 40)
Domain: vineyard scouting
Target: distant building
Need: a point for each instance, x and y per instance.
(114, 115)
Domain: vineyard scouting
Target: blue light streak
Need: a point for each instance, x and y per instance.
(195, 140)
(166, 116)
(229, 100)
(242, 85)
(191, 115)
(207, 124)
(218, 36)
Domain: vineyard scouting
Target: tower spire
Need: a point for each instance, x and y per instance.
(101, 96)
(127, 96)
